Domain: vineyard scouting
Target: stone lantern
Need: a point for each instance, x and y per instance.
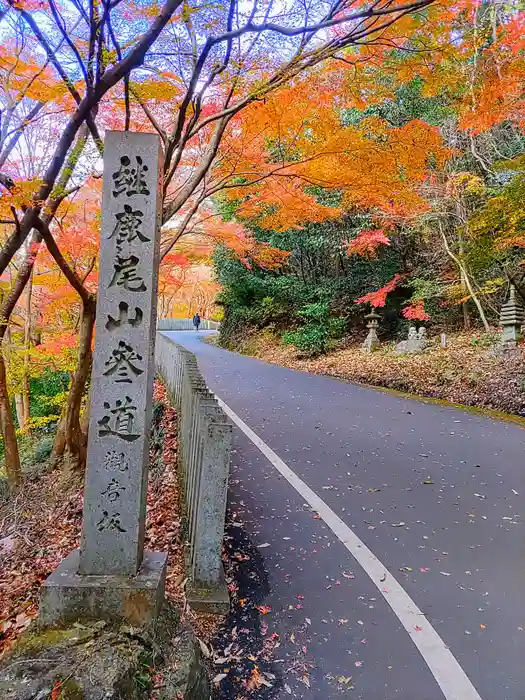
(511, 317)
(371, 341)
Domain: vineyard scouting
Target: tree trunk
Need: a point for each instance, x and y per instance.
(25, 410)
(7, 427)
(464, 305)
(464, 278)
(71, 441)
(19, 405)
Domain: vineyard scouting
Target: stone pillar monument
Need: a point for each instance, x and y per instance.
(111, 576)
(512, 316)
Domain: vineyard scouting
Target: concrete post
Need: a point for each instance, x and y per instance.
(213, 486)
(205, 435)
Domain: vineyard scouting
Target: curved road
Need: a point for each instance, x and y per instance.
(435, 493)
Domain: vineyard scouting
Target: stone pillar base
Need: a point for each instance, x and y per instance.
(66, 596)
(208, 598)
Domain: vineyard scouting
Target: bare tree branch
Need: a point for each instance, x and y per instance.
(10, 145)
(59, 21)
(155, 124)
(110, 78)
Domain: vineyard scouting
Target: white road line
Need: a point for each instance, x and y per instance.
(449, 675)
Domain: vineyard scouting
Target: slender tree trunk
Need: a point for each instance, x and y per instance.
(7, 427)
(71, 441)
(27, 345)
(465, 278)
(19, 406)
(23, 412)
(60, 436)
(464, 305)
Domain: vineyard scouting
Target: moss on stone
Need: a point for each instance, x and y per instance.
(35, 638)
(70, 690)
(101, 660)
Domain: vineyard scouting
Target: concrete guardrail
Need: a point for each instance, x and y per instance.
(205, 437)
(185, 324)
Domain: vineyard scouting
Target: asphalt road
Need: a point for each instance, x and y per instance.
(434, 492)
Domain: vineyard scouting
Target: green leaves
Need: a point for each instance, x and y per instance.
(321, 328)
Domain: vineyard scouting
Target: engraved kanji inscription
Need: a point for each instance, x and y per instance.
(113, 490)
(128, 226)
(120, 420)
(110, 522)
(125, 274)
(123, 364)
(116, 461)
(130, 179)
(124, 317)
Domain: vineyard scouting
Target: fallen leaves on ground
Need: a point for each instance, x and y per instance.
(468, 371)
(43, 519)
(41, 524)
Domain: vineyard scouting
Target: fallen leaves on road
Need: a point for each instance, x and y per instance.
(264, 609)
(257, 680)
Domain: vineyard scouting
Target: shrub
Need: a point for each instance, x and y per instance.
(319, 331)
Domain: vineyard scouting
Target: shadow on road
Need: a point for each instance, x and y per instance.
(241, 643)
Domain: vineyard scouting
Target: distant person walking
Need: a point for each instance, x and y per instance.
(197, 321)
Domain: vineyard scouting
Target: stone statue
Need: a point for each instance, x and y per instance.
(416, 341)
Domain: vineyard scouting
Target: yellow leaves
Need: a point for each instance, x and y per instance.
(37, 422)
(492, 286)
(109, 56)
(165, 87)
(20, 196)
(6, 201)
(24, 192)
(465, 183)
(23, 76)
(152, 9)
(502, 219)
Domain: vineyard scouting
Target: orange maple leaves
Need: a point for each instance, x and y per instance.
(416, 311)
(497, 93)
(249, 251)
(378, 298)
(367, 243)
(292, 146)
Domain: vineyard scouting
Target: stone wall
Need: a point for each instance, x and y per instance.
(185, 324)
(205, 435)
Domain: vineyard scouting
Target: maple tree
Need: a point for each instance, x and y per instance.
(418, 154)
(208, 64)
(400, 111)
(378, 298)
